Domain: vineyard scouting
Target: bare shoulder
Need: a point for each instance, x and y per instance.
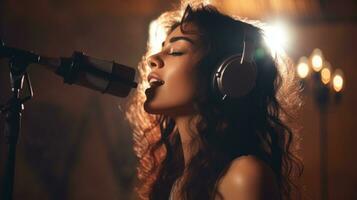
(248, 178)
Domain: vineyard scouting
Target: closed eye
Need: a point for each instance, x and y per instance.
(176, 53)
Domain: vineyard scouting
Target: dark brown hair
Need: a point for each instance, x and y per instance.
(255, 124)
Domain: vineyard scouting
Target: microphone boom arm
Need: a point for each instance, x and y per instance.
(107, 77)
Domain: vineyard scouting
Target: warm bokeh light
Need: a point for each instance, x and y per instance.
(317, 60)
(338, 80)
(303, 68)
(326, 73)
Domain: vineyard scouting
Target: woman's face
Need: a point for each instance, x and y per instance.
(175, 65)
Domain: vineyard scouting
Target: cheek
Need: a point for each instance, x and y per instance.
(175, 95)
(180, 86)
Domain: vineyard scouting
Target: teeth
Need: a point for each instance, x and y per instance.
(155, 82)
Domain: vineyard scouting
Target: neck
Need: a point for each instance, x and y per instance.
(187, 129)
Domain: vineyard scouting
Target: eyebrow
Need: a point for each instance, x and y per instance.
(174, 39)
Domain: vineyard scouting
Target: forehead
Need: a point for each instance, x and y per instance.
(190, 30)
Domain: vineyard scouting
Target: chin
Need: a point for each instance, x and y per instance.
(152, 109)
(172, 111)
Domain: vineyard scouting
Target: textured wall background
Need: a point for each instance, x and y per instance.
(75, 143)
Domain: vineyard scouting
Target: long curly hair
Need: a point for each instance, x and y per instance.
(259, 124)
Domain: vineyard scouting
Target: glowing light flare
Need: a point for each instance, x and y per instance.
(276, 36)
(337, 80)
(316, 60)
(156, 36)
(303, 68)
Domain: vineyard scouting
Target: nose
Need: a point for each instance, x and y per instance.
(155, 61)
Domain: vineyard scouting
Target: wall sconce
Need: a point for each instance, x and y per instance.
(317, 73)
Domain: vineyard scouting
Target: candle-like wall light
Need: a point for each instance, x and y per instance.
(318, 73)
(303, 68)
(325, 73)
(337, 82)
(322, 76)
(316, 60)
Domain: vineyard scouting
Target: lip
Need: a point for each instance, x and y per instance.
(156, 76)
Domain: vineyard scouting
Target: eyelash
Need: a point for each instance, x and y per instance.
(172, 52)
(175, 53)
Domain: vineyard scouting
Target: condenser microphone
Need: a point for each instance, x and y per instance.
(101, 75)
(104, 76)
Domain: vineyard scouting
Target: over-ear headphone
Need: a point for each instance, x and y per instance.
(235, 76)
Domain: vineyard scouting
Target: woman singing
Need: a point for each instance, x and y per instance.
(196, 139)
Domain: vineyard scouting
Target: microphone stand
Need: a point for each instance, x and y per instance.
(18, 63)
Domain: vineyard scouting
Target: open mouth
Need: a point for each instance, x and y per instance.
(153, 85)
(154, 82)
(150, 91)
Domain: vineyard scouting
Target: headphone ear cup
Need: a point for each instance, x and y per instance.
(234, 79)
